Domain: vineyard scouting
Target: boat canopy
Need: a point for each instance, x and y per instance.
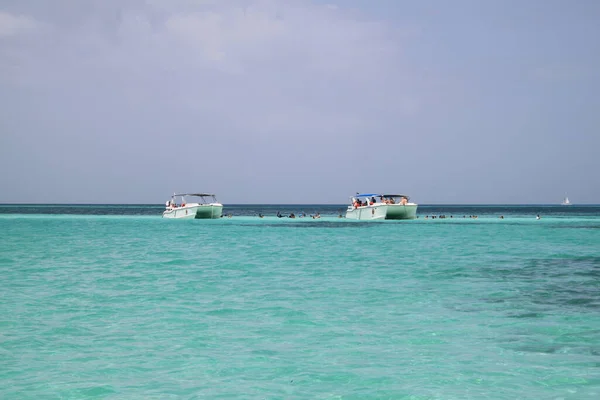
(395, 195)
(194, 194)
(366, 195)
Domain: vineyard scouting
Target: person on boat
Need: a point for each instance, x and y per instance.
(404, 201)
(373, 201)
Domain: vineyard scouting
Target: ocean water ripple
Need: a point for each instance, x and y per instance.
(127, 307)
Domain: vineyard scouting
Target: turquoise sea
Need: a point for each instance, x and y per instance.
(114, 302)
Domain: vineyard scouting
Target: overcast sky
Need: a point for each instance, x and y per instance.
(127, 101)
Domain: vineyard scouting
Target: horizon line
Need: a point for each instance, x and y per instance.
(299, 204)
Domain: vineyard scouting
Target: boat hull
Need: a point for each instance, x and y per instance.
(195, 211)
(367, 213)
(186, 212)
(209, 211)
(401, 211)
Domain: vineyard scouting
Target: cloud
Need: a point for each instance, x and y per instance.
(288, 50)
(13, 25)
(227, 33)
(245, 79)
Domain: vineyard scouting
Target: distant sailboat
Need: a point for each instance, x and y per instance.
(566, 201)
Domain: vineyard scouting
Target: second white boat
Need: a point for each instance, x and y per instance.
(373, 206)
(399, 206)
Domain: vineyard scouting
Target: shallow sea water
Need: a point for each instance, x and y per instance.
(126, 305)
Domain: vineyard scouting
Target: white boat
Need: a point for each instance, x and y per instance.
(203, 208)
(366, 207)
(566, 202)
(399, 206)
(373, 206)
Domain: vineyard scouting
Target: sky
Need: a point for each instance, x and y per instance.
(267, 101)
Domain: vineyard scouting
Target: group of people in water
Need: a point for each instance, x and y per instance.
(464, 216)
(318, 215)
(292, 215)
(444, 216)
